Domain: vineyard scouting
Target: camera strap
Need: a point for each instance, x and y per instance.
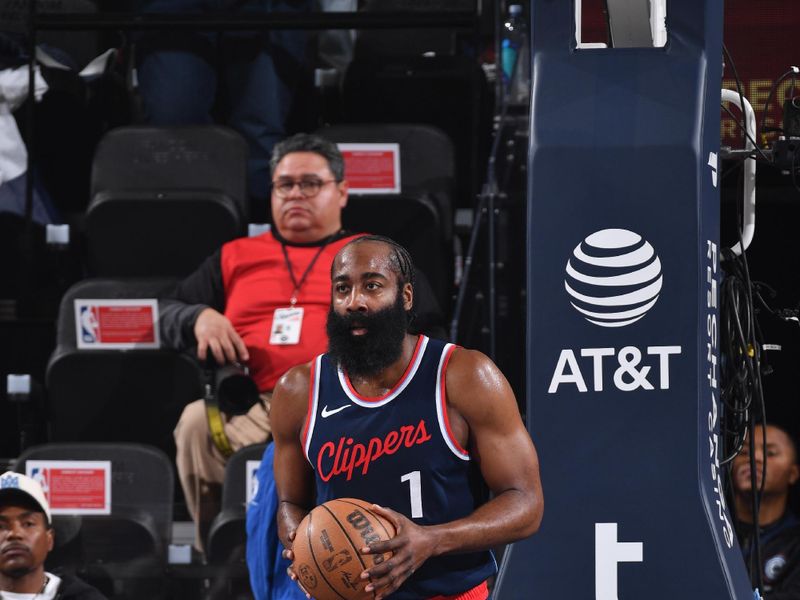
(216, 426)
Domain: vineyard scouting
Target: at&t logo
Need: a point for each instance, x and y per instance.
(614, 277)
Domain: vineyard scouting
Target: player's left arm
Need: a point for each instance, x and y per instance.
(484, 417)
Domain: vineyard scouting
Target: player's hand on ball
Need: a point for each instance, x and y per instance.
(287, 552)
(411, 546)
(289, 555)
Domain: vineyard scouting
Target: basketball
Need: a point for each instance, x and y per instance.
(327, 548)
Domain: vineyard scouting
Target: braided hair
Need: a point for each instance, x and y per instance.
(399, 258)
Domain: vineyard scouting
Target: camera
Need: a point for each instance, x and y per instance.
(234, 389)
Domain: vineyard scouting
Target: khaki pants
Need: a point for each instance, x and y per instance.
(201, 467)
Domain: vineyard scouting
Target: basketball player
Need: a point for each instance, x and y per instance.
(409, 423)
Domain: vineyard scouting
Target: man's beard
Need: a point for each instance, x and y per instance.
(18, 572)
(21, 570)
(379, 347)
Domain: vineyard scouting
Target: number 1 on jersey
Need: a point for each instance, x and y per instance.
(415, 485)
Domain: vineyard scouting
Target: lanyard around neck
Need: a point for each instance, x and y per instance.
(299, 284)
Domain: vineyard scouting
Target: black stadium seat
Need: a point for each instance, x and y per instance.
(446, 91)
(227, 536)
(163, 199)
(107, 395)
(124, 553)
(421, 216)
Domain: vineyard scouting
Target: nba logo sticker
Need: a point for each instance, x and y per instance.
(251, 483)
(89, 324)
(41, 475)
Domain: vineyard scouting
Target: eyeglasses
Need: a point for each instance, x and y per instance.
(308, 187)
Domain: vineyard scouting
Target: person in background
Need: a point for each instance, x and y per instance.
(243, 79)
(26, 538)
(779, 527)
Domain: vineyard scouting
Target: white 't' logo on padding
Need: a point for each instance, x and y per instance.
(614, 277)
(608, 553)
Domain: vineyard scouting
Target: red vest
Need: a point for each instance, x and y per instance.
(257, 282)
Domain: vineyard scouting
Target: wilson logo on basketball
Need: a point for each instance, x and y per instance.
(346, 456)
(368, 534)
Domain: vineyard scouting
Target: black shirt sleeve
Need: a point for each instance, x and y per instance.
(179, 307)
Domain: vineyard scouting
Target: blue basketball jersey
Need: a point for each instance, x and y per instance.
(398, 451)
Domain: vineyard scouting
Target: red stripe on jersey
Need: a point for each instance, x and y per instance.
(396, 385)
(443, 396)
(309, 412)
(479, 592)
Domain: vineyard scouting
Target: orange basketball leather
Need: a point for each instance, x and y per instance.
(327, 557)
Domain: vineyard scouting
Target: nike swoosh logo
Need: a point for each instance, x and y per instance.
(327, 413)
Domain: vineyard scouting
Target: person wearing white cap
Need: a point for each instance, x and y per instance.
(26, 538)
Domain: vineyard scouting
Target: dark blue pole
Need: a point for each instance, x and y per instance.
(623, 271)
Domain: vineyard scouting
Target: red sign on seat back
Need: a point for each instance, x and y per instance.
(372, 168)
(120, 324)
(74, 487)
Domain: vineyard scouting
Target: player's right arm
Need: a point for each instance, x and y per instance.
(294, 477)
